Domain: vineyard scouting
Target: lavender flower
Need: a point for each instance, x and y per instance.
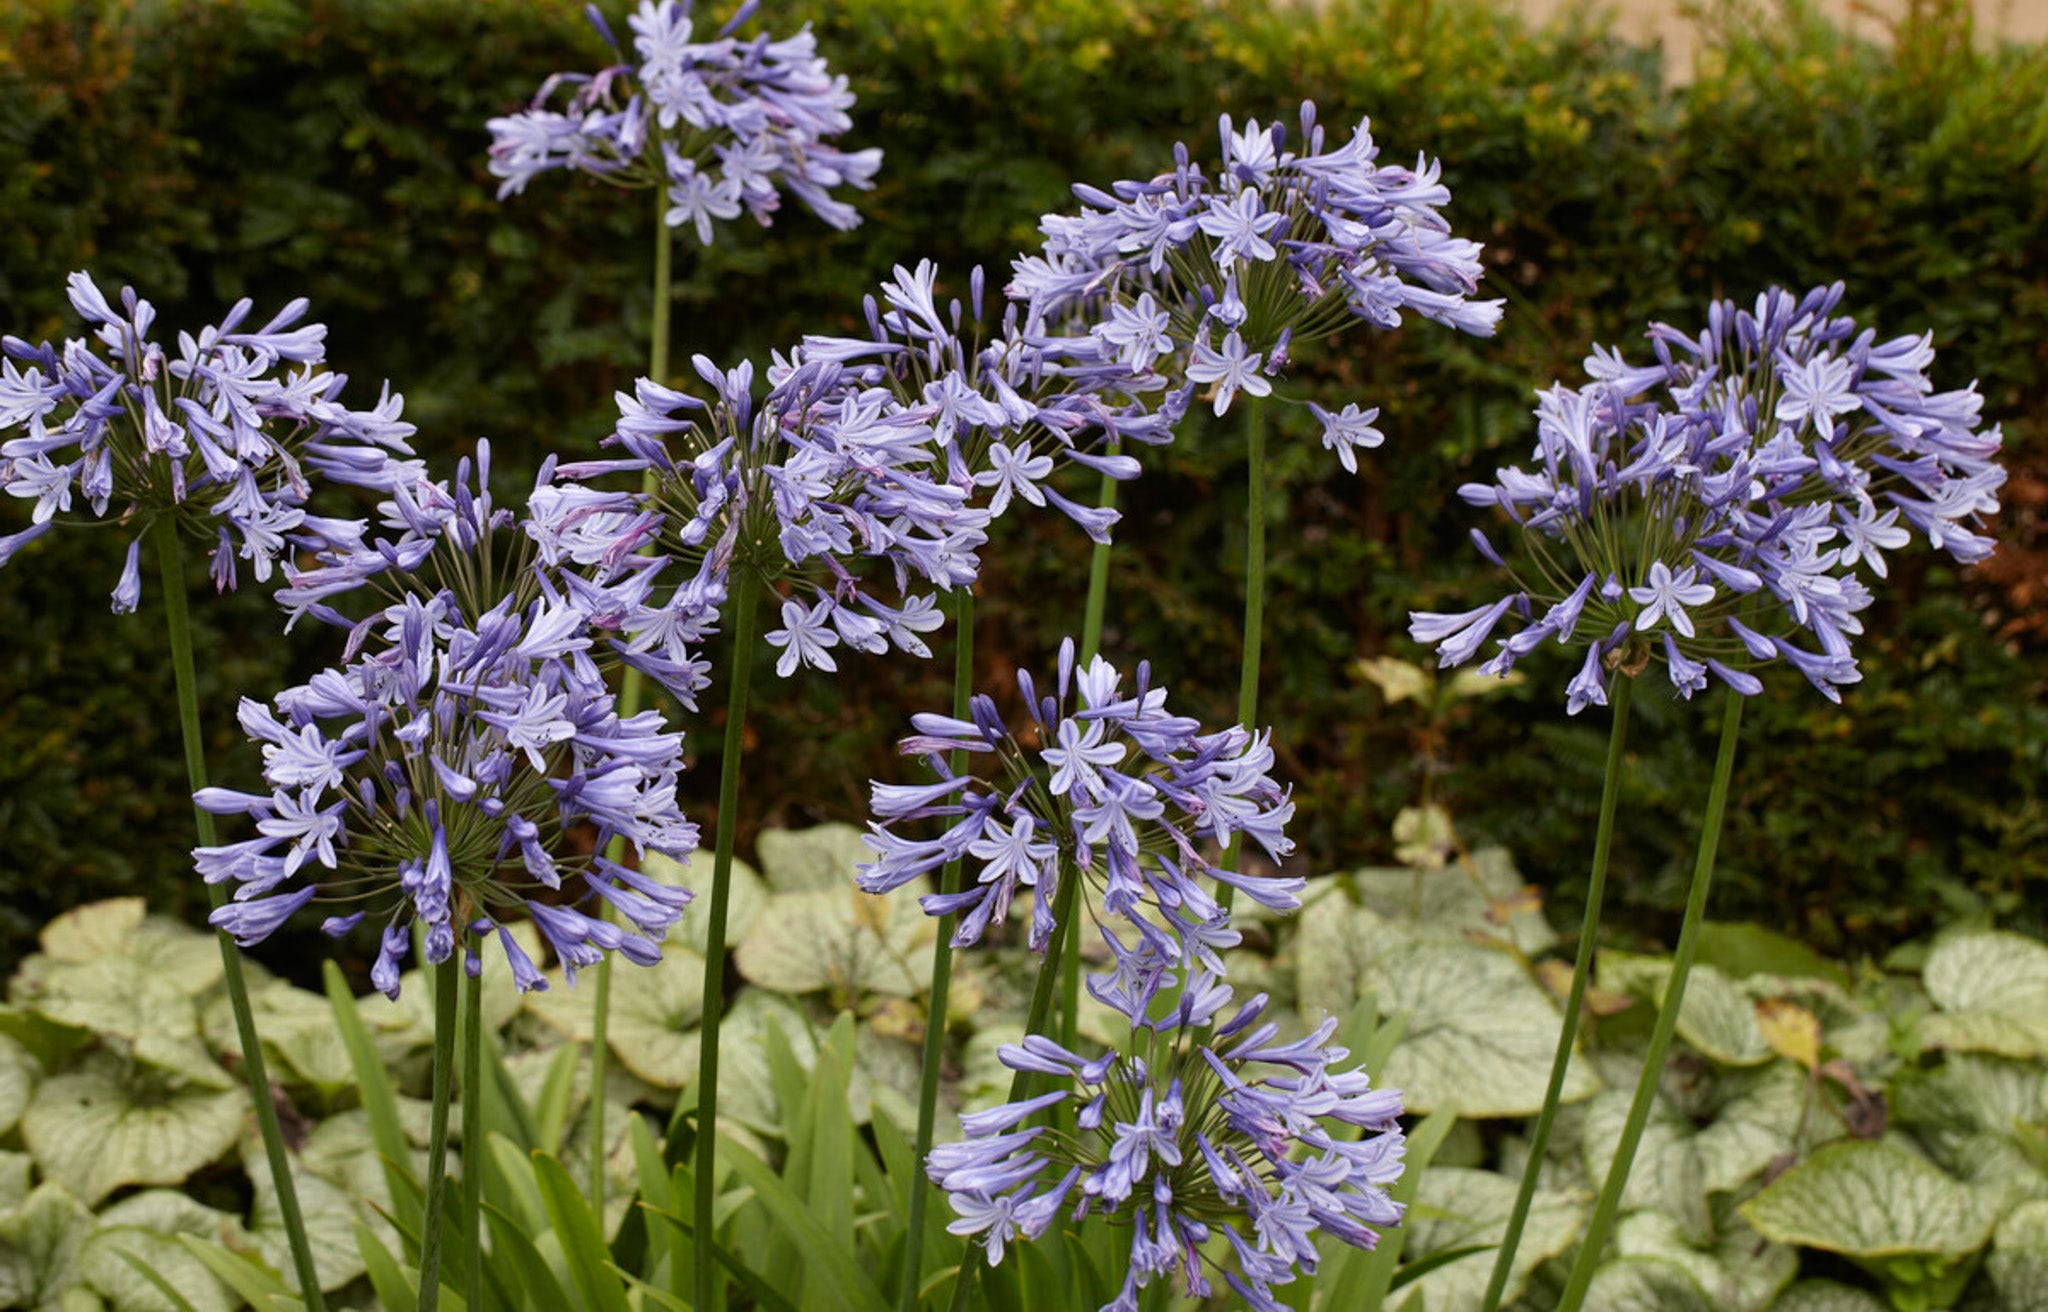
(724, 124)
(1009, 407)
(435, 774)
(800, 491)
(1728, 511)
(1116, 792)
(227, 428)
(1224, 274)
(1199, 1126)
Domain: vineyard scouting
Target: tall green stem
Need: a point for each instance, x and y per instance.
(1091, 643)
(1254, 597)
(473, 1137)
(170, 556)
(942, 974)
(1609, 1202)
(747, 594)
(630, 692)
(446, 977)
(1582, 968)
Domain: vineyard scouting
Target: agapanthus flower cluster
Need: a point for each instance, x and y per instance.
(1219, 277)
(225, 432)
(1112, 790)
(724, 125)
(1718, 510)
(832, 488)
(441, 774)
(1205, 1124)
(1009, 409)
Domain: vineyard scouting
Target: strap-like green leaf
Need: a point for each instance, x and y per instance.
(841, 1279)
(581, 1235)
(380, 1103)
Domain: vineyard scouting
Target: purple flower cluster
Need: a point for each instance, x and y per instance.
(1202, 1125)
(434, 775)
(229, 426)
(1115, 791)
(1717, 509)
(1010, 410)
(1222, 276)
(725, 124)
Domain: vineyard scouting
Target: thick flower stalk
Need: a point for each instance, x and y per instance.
(1113, 791)
(1719, 510)
(223, 433)
(724, 125)
(1217, 278)
(1201, 1125)
(435, 776)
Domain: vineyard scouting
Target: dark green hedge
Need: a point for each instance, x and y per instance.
(335, 150)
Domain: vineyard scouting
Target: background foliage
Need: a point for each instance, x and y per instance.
(204, 150)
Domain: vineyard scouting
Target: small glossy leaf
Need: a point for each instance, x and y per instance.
(652, 1009)
(1870, 1200)
(330, 1217)
(1482, 897)
(110, 1258)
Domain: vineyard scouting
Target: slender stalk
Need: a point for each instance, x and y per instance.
(1254, 598)
(1609, 1202)
(1091, 643)
(446, 977)
(473, 1136)
(1582, 968)
(747, 593)
(170, 556)
(630, 692)
(1020, 1083)
(942, 974)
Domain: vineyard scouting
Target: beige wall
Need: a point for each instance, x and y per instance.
(1672, 22)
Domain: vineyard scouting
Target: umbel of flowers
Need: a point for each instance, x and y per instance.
(225, 433)
(432, 777)
(1718, 509)
(1199, 1126)
(1227, 273)
(1115, 792)
(724, 125)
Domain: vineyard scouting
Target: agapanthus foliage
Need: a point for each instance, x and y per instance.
(1203, 1124)
(1216, 278)
(226, 432)
(726, 124)
(1103, 786)
(464, 766)
(1720, 509)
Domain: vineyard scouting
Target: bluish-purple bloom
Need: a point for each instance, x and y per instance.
(1210, 279)
(1118, 793)
(1203, 1122)
(433, 776)
(723, 124)
(231, 426)
(1716, 510)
